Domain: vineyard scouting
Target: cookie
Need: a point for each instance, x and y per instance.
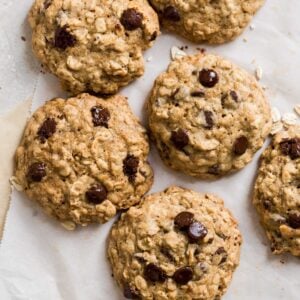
(277, 192)
(93, 46)
(213, 22)
(207, 116)
(177, 244)
(83, 159)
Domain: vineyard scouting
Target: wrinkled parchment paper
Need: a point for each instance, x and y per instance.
(39, 260)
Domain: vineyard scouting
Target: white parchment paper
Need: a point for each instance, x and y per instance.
(39, 260)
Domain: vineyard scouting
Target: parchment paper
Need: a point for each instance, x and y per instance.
(39, 260)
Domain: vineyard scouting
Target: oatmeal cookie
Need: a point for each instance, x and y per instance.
(214, 22)
(84, 158)
(277, 192)
(177, 244)
(93, 45)
(207, 116)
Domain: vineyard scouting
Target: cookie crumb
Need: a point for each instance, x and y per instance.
(258, 73)
(23, 38)
(177, 53)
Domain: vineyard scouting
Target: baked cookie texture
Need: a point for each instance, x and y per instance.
(83, 159)
(93, 45)
(207, 116)
(177, 244)
(277, 192)
(213, 22)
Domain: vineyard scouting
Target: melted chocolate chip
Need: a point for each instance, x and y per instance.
(183, 275)
(209, 119)
(96, 194)
(47, 3)
(196, 231)
(47, 129)
(131, 19)
(36, 172)
(100, 116)
(234, 96)
(200, 94)
(154, 273)
(130, 167)
(241, 145)
(179, 138)
(130, 293)
(294, 221)
(171, 13)
(214, 170)
(63, 38)
(267, 204)
(290, 147)
(184, 219)
(222, 251)
(208, 78)
(153, 36)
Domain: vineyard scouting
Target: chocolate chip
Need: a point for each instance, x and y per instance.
(222, 252)
(47, 3)
(208, 78)
(154, 273)
(100, 116)
(196, 231)
(130, 293)
(240, 145)
(171, 13)
(131, 19)
(267, 204)
(234, 96)
(214, 170)
(183, 275)
(290, 147)
(198, 94)
(130, 166)
(294, 221)
(96, 194)
(209, 119)
(47, 129)
(285, 146)
(63, 38)
(153, 36)
(36, 172)
(179, 138)
(184, 219)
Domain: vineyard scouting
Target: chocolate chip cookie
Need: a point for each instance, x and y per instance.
(207, 116)
(214, 22)
(277, 192)
(93, 45)
(177, 244)
(84, 158)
